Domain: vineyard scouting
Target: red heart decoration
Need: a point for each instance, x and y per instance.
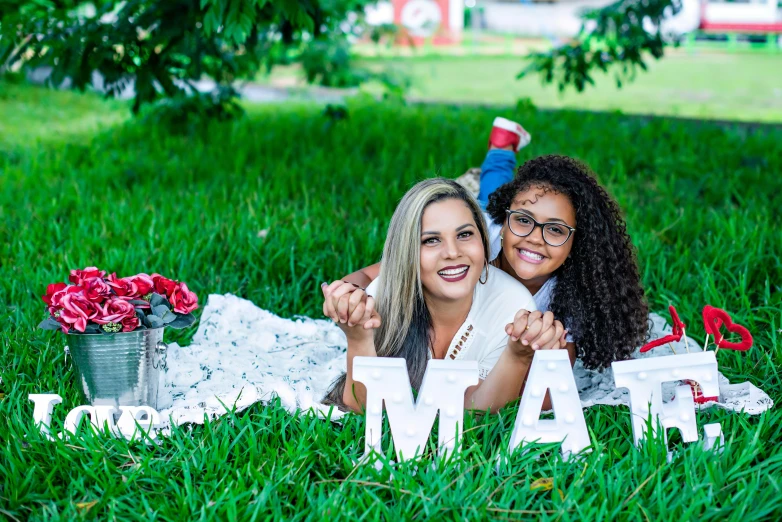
(678, 331)
(715, 318)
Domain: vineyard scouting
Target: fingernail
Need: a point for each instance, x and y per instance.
(535, 346)
(324, 284)
(350, 324)
(514, 339)
(525, 342)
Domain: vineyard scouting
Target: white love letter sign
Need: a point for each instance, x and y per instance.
(135, 422)
(42, 413)
(551, 371)
(442, 389)
(644, 377)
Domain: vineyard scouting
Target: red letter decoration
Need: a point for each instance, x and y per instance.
(678, 331)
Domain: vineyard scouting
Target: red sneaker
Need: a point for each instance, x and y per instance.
(506, 133)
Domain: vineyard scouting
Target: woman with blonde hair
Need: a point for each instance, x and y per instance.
(437, 297)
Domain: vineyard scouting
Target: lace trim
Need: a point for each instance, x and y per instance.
(461, 342)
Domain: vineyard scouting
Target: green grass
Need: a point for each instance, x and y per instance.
(702, 203)
(737, 86)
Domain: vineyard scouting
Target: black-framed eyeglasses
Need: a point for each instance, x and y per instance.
(554, 234)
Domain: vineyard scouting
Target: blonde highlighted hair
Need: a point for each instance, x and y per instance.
(406, 325)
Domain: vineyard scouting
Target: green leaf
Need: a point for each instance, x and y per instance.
(168, 316)
(182, 321)
(160, 310)
(92, 328)
(154, 321)
(158, 300)
(138, 302)
(49, 324)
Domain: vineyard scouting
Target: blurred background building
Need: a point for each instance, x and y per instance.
(446, 19)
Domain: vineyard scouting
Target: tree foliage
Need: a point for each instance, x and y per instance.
(164, 46)
(616, 38)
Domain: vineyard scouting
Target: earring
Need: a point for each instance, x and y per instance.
(486, 264)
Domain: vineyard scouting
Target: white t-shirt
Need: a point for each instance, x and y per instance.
(482, 337)
(543, 296)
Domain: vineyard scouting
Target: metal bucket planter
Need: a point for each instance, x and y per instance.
(121, 369)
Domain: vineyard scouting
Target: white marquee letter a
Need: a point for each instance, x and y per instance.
(551, 371)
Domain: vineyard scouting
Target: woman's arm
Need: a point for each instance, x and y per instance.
(361, 343)
(355, 394)
(363, 276)
(506, 380)
(503, 383)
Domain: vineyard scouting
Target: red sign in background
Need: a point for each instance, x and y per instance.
(424, 20)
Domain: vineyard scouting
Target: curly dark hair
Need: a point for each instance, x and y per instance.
(598, 294)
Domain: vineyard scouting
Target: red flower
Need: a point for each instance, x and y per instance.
(56, 299)
(183, 300)
(79, 276)
(96, 290)
(144, 283)
(77, 310)
(115, 310)
(129, 323)
(163, 285)
(124, 288)
(56, 314)
(51, 290)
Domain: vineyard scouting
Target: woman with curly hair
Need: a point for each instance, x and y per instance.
(557, 231)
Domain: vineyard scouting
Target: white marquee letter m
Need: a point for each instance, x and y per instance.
(442, 389)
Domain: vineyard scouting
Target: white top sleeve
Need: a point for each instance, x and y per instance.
(372, 288)
(494, 237)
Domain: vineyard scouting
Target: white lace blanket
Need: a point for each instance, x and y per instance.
(242, 354)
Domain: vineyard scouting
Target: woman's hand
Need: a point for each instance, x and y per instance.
(531, 331)
(351, 308)
(345, 302)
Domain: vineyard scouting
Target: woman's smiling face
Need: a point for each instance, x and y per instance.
(452, 255)
(532, 259)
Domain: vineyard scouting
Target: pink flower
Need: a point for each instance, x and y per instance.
(183, 300)
(124, 288)
(143, 282)
(77, 310)
(56, 299)
(129, 324)
(79, 276)
(163, 285)
(51, 290)
(56, 314)
(115, 310)
(96, 290)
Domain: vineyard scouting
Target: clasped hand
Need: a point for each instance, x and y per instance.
(531, 331)
(351, 308)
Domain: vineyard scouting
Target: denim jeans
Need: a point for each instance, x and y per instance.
(497, 169)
